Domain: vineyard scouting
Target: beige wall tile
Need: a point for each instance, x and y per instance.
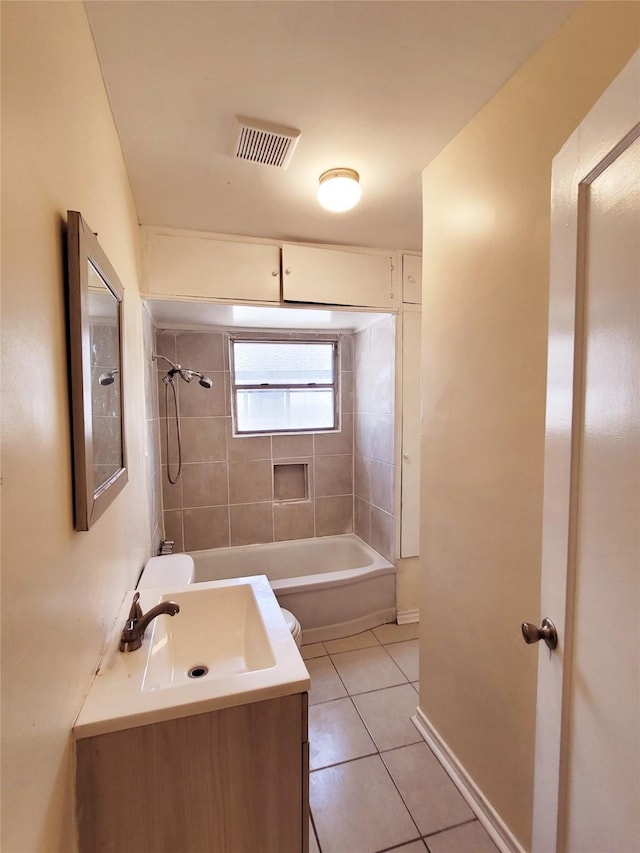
(293, 520)
(362, 432)
(292, 445)
(250, 482)
(251, 523)
(381, 399)
(206, 527)
(362, 519)
(247, 447)
(166, 346)
(346, 386)
(362, 349)
(382, 438)
(382, 486)
(334, 515)
(201, 351)
(204, 439)
(196, 401)
(205, 484)
(336, 442)
(334, 475)
(173, 528)
(381, 532)
(346, 352)
(171, 493)
(362, 477)
(383, 342)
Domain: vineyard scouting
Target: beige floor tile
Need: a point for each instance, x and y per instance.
(367, 669)
(431, 797)
(312, 650)
(392, 633)
(387, 715)
(347, 644)
(325, 683)
(336, 733)
(405, 654)
(414, 847)
(469, 838)
(357, 809)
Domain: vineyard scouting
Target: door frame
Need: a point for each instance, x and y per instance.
(606, 130)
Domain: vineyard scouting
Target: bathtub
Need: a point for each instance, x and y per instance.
(334, 585)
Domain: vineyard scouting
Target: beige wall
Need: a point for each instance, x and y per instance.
(486, 258)
(60, 589)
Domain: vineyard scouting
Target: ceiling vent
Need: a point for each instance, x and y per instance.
(263, 142)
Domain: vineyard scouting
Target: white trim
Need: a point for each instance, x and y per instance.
(500, 833)
(405, 617)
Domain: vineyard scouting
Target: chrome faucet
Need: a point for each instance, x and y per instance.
(137, 622)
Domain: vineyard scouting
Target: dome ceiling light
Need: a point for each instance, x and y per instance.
(339, 189)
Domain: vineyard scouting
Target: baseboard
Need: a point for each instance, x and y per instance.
(500, 833)
(405, 617)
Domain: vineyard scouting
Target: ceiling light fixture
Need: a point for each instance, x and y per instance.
(339, 189)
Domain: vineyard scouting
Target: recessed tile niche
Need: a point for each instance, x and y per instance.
(291, 481)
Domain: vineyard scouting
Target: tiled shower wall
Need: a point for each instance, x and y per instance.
(374, 416)
(226, 493)
(153, 464)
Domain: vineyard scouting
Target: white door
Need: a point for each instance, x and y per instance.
(587, 773)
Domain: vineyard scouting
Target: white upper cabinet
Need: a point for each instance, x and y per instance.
(196, 266)
(335, 277)
(412, 279)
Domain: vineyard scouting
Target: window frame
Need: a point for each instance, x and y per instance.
(334, 341)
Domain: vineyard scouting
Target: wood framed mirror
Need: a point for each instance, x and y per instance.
(96, 353)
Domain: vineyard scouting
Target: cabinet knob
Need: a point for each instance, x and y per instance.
(287, 271)
(410, 279)
(274, 273)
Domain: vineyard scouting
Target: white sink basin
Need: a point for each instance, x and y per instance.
(218, 632)
(229, 634)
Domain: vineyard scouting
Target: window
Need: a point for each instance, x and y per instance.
(284, 386)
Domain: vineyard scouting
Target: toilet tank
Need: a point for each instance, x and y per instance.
(168, 571)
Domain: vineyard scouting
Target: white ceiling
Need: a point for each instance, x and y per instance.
(376, 85)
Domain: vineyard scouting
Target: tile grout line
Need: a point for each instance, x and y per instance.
(380, 753)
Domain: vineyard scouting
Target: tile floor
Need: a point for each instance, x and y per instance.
(375, 785)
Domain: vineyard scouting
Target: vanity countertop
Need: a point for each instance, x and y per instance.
(230, 635)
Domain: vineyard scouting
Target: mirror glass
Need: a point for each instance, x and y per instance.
(104, 335)
(95, 349)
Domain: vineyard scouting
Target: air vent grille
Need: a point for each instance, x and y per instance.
(262, 142)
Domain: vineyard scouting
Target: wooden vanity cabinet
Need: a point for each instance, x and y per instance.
(228, 781)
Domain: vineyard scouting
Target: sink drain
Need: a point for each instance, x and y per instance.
(198, 671)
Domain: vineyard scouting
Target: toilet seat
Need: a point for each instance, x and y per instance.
(293, 625)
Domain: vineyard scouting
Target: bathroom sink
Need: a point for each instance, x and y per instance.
(219, 632)
(228, 645)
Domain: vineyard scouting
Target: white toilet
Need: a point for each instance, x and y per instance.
(179, 570)
(293, 625)
(168, 570)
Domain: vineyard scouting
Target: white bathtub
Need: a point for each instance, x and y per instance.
(334, 585)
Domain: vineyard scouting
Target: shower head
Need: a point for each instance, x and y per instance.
(186, 374)
(109, 377)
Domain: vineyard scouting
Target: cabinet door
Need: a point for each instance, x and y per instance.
(179, 265)
(335, 277)
(412, 279)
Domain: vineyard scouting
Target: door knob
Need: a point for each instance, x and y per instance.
(546, 631)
